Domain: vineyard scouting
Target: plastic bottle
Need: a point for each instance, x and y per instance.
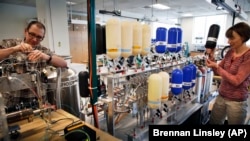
(127, 38)
(165, 87)
(146, 39)
(137, 38)
(113, 38)
(154, 91)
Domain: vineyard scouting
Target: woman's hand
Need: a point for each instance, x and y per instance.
(211, 64)
(210, 52)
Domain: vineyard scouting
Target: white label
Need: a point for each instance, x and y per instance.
(162, 43)
(187, 84)
(211, 39)
(174, 85)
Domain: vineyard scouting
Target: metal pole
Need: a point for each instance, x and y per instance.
(92, 58)
(234, 15)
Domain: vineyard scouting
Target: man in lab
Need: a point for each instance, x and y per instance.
(31, 50)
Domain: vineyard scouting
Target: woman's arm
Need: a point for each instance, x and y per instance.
(240, 76)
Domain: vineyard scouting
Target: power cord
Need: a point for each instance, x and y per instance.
(55, 121)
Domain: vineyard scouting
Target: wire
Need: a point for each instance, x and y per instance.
(4, 60)
(47, 136)
(73, 123)
(15, 78)
(53, 122)
(50, 132)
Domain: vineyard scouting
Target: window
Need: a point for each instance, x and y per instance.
(201, 28)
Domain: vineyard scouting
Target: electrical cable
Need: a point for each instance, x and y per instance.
(15, 78)
(52, 132)
(4, 60)
(53, 122)
(48, 128)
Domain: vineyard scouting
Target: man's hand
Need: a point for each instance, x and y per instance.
(35, 55)
(24, 47)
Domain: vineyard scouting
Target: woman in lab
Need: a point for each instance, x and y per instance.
(231, 103)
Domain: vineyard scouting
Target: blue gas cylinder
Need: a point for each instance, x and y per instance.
(194, 68)
(187, 77)
(172, 40)
(161, 40)
(179, 39)
(176, 81)
(153, 41)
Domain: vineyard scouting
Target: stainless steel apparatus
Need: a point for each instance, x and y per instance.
(62, 89)
(126, 106)
(50, 86)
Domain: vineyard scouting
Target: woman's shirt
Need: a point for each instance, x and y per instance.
(235, 73)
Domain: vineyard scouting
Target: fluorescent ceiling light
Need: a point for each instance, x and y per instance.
(159, 6)
(187, 15)
(75, 21)
(219, 8)
(70, 3)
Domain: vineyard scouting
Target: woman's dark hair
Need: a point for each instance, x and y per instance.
(241, 28)
(37, 23)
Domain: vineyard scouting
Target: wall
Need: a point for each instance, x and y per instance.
(78, 39)
(187, 28)
(14, 19)
(187, 24)
(53, 14)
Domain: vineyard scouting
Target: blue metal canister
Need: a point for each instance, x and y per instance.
(161, 40)
(179, 39)
(172, 40)
(194, 68)
(187, 77)
(176, 81)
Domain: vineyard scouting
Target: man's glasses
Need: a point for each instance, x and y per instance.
(33, 35)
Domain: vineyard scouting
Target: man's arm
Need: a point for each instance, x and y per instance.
(6, 52)
(55, 60)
